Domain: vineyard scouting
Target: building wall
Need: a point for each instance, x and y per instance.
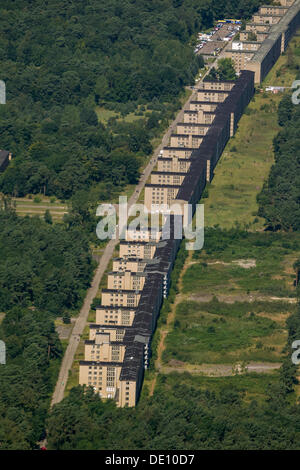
(215, 96)
(116, 334)
(134, 265)
(120, 298)
(142, 235)
(103, 351)
(273, 10)
(179, 152)
(198, 117)
(157, 194)
(260, 36)
(258, 27)
(245, 45)
(203, 106)
(267, 19)
(217, 85)
(104, 378)
(192, 128)
(240, 58)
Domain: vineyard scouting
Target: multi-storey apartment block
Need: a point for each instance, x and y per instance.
(216, 96)
(180, 152)
(125, 280)
(114, 315)
(205, 106)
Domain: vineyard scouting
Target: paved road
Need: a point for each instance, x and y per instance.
(104, 261)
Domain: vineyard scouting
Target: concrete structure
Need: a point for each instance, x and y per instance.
(186, 140)
(167, 177)
(192, 128)
(241, 58)
(215, 96)
(205, 106)
(245, 45)
(137, 249)
(247, 36)
(180, 152)
(157, 194)
(198, 117)
(173, 165)
(278, 24)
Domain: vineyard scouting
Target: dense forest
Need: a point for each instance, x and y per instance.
(279, 200)
(45, 270)
(61, 59)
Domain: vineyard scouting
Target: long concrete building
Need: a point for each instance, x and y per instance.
(119, 345)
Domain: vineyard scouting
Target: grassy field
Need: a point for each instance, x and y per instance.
(247, 158)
